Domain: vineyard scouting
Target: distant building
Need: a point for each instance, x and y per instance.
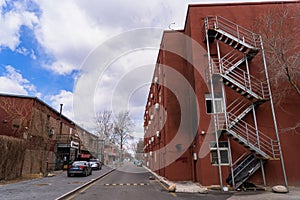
(210, 116)
(51, 139)
(111, 154)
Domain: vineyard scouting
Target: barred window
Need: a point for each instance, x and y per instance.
(223, 147)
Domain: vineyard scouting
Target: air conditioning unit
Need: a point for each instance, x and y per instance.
(157, 106)
(157, 134)
(151, 96)
(151, 116)
(150, 153)
(152, 139)
(156, 80)
(149, 122)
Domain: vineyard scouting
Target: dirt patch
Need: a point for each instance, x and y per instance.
(22, 178)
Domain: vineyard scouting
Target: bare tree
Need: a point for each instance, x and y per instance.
(280, 30)
(104, 125)
(122, 128)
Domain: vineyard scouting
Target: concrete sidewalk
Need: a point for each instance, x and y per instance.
(294, 194)
(192, 187)
(183, 186)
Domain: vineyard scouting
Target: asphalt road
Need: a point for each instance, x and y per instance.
(48, 188)
(127, 182)
(132, 183)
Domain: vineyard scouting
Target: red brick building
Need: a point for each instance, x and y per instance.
(50, 138)
(212, 114)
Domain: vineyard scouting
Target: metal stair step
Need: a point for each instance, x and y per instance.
(235, 42)
(246, 168)
(229, 82)
(247, 145)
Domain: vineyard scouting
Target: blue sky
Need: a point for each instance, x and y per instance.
(44, 44)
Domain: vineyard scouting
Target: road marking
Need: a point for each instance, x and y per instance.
(83, 189)
(126, 184)
(73, 193)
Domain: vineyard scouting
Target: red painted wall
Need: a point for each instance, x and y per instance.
(193, 67)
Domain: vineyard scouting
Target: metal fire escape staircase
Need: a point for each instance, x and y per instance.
(230, 69)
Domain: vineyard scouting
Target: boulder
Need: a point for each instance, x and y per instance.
(203, 190)
(279, 189)
(172, 188)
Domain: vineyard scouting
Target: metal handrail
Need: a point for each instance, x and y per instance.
(67, 138)
(249, 133)
(232, 57)
(246, 154)
(237, 106)
(242, 34)
(247, 81)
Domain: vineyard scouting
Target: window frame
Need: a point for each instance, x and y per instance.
(218, 102)
(223, 146)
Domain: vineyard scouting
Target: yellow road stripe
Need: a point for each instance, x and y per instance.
(126, 184)
(82, 190)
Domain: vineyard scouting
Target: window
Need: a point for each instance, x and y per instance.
(218, 103)
(223, 147)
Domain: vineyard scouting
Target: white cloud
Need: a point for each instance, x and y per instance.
(67, 33)
(12, 82)
(11, 21)
(63, 97)
(26, 52)
(61, 67)
(69, 30)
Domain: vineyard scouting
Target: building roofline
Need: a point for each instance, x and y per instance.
(242, 3)
(45, 104)
(234, 4)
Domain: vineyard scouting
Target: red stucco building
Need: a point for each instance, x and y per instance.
(214, 113)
